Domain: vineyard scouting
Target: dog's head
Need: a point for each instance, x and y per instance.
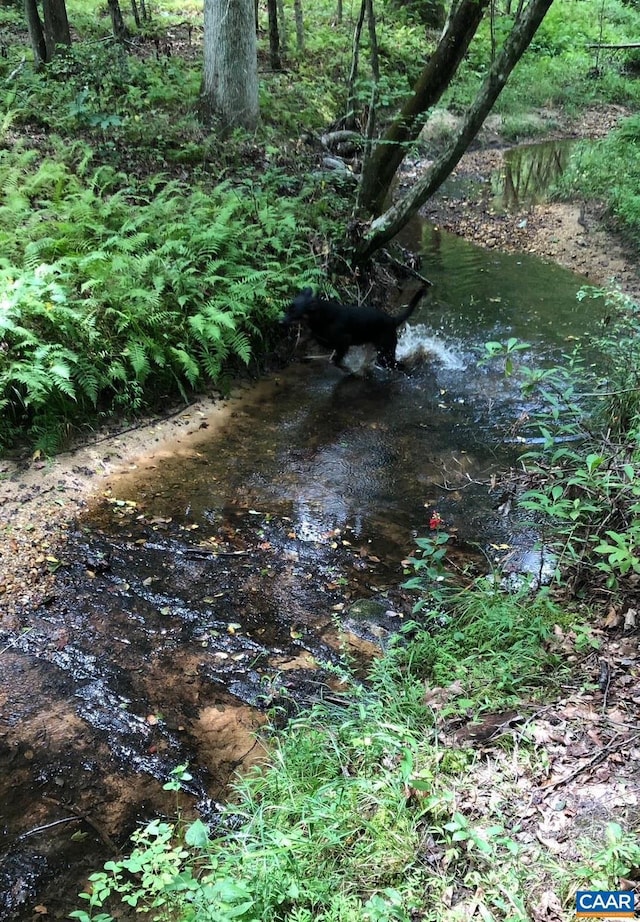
(301, 306)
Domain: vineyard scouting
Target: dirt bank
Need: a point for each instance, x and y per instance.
(39, 498)
(574, 235)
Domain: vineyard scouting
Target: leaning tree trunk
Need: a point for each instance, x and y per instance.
(36, 34)
(384, 228)
(390, 151)
(230, 73)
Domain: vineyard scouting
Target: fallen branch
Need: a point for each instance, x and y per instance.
(594, 760)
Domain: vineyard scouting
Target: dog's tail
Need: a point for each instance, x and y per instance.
(413, 303)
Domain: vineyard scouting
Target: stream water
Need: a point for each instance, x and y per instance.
(221, 583)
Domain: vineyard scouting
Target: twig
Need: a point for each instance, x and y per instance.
(80, 814)
(604, 682)
(14, 640)
(37, 829)
(594, 760)
(406, 268)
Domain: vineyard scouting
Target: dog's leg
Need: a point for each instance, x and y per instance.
(386, 357)
(338, 357)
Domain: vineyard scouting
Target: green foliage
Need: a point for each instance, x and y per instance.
(585, 479)
(336, 827)
(496, 645)
(558, 68)
(605, 867)
(111, 297)
(609, 170)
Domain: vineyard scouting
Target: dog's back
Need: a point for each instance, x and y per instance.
(339, 326)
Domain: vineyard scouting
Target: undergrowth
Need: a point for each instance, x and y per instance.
(115, 295)
(583, 484)
(609, 171)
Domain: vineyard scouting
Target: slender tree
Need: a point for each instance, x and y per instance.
(274, 35)
(385, 227)
(230, 74)
(36, 34)
(120, 30)
(350, 120)
(56, 24)
(299, 20)
(136, 13)
(436, 76)
(282, 26)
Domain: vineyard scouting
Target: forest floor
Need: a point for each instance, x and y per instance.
(39, 498)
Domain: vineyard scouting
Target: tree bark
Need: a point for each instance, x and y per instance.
(384, 228)
(36, 34)
(136, 14)
(390, 151)
(230, 73)
(297, 12)
(120, 31)
(282, 26)
(56, 25)
(350, 120)
(373, 41)
(274, 35)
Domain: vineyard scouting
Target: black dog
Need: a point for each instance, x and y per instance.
(339, 326)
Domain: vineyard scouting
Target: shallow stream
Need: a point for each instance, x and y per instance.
(217, 584)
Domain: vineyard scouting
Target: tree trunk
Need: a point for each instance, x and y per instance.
(274, 35)
(350, 120)
(405, 128)
(136, 13)
(373, 41)
(120, 31)
(297, 12)
(36, 34)
(282, 26)
(387, 225)
(230, 74)
(56, 25)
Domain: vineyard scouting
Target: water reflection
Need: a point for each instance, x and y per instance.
(529, 174)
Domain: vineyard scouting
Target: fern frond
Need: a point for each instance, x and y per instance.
(187, 364)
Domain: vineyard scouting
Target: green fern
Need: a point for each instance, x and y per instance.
(111, 296)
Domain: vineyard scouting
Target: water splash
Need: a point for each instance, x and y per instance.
(417, 342)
